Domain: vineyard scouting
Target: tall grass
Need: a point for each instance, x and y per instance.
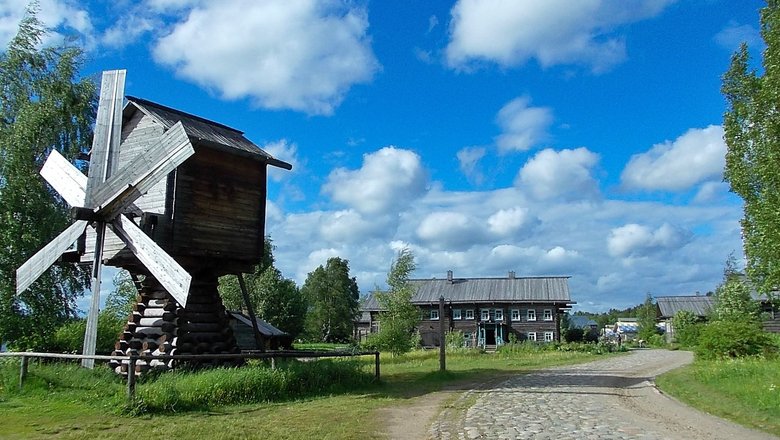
(745, 390)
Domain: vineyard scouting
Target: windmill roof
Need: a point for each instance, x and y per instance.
(203, 131)
(698, 305)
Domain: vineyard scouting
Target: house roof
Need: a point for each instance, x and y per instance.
(489, 290)
(696, 304)
(485, 290)
(203, 131)
(265, 328)
(579, 321)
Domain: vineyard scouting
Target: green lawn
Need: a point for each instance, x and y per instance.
(83, 403)
(746, 391)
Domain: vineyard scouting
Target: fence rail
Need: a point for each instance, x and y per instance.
(133, 359)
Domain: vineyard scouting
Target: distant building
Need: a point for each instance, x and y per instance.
(273, 338)
(699, 305)
(486, 310)
(582, 322)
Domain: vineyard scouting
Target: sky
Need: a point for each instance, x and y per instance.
(556, 137)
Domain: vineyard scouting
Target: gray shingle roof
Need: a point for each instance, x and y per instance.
(470, 290)
(265, 328)
(698, 305)
(204, 132)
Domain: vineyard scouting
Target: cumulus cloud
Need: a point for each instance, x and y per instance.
(60, 16)
(302, 55)
(286, 151)
(510, 32)
(634, 240)
(560, 174)
(696, 156)
(389, 180)
(349, 226)
(469, 158)
(522, 126)
(449, 230)
(507, 222)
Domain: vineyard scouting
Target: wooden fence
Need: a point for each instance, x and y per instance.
(133, 359)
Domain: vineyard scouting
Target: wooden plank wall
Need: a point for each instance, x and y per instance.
(220, 206)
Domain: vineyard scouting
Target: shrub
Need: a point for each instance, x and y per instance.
(69, 338)
(686, 328)
(574, 335)
(591, 335)
(733, 339)
(454, 340)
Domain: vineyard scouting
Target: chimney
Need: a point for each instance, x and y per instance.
(449, 275)
(511, 274)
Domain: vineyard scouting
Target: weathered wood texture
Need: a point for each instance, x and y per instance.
(108, 132)
(221, 216)
(28, 272)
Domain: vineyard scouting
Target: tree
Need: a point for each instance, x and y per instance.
(733, 301)
(120, 301)
(399, 316)
(752, 134)
(274, 298)
(43, 107)
(646, 318)
(332, 297)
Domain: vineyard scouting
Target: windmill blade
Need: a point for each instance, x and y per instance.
(143, 172)
(108, 131)
(168, 272)
(44, 258)
(66, 179)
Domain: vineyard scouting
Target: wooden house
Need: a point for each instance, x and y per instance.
(699, 305)
(486, 310)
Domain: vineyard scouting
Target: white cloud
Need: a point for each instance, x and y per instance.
(734, 34)
(507, 222)
(469, 158)
(696, 156)
(286, 151)
(510, 32)
(129, 28)
(565, 174)
(522, 126)
(389, 180)
(60, 16)
(450, 230)
(634, 240)
(302, 55)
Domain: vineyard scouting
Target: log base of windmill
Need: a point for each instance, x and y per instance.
(158, 325)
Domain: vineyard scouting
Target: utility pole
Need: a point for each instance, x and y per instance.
(442, 341)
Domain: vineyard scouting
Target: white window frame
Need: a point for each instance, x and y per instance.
(515, 313)
(532, 336)
(499, 314)
(456, 314)
(530, 315)
(434, 314)
(548, 336)
(469, 314)
(484, 314)
(548, 315)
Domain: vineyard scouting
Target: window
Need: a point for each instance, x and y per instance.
(531, 316)
(434, 314)
(485, 314)
(455, 313)
(548, 314)
(515, 314)
(548, 336)
(469, 314)
(532, 336)
(499, 314)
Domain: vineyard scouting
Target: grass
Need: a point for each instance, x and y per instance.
(69, 402)
(746, 391)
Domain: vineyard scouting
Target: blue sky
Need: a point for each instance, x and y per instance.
(548, 138)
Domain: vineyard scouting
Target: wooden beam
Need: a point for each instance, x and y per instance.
(66, 179)
(162, 266)
(258, 337)
(90, 335)
(28, 272)
(108, 132)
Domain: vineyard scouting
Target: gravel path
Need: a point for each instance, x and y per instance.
(613, 398)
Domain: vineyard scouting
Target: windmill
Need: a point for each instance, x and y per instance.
(171, 196)
(104, 198)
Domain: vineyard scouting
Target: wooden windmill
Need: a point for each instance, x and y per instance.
(179, 196)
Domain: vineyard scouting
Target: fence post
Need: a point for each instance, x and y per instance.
(131, 378)
(376, 365)
(273, 363)
(23, 371)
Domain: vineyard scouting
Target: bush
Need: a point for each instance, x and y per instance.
(734, 339)
(454, 340)
(69, 338)
(574, 335)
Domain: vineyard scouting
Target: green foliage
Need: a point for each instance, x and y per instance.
(647, 316)
(734, 339)
(686, 328)
(43, 107)
(274, 298)
(454, 340)
(734, 302)
(574, 335)
(399, 316)
(332, 298)
(120, 301)
(752, 134)
(69, 338)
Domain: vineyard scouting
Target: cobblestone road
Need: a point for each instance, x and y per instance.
(607, 399)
